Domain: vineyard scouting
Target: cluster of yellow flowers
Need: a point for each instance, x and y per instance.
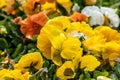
(59, 40)
(22, 68)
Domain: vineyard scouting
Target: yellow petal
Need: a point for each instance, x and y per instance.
(87, 63)
(2, 3)
(28, 59)
(66, 71)
(70, 48)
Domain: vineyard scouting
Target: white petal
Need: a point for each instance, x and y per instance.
(89, 9)
(107, 10)
(97, 18)
(75, 7)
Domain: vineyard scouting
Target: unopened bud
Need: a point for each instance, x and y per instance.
(90, 2)
(3, 31)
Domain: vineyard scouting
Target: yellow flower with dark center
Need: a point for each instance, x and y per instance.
(13, 74)
(89, 63)
(66, 71)
(29, 60)
(70, 48)
(2, 3)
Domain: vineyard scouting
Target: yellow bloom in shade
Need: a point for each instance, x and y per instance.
(13, 74)
(81, 28)
(66, 71)
(95, 43)
(31, 59)
(108, 33)
(70, 48)
(2, 3)
(89, 63)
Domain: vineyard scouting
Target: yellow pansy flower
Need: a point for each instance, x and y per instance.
(95, 43)
(2, 3)
(80, 28)
(108, 33)
(13, 74)
(70, 48)
(31, 59)
(89, 62)
(111, 52)
(66, 71)
(52, 34)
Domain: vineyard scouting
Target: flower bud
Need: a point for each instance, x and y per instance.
(3, 31)
(90, 2)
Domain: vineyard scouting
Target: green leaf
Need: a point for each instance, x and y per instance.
(32, 77)
(116, 69)
(114, 77)
(17, 50)
(3, 44)
(100, 73)
(81, 77)
(87, 75)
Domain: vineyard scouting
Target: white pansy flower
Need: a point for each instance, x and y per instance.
(77, 35)
(88, 10)
(112, 16)
(75, 7)
(96, 15)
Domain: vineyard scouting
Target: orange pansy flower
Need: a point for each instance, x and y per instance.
(76, 16)
(32, 24)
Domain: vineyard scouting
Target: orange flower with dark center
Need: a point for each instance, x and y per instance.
(32, 24)
(76, 16)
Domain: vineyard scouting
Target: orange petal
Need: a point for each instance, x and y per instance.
(76, 16)
(40, 18)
